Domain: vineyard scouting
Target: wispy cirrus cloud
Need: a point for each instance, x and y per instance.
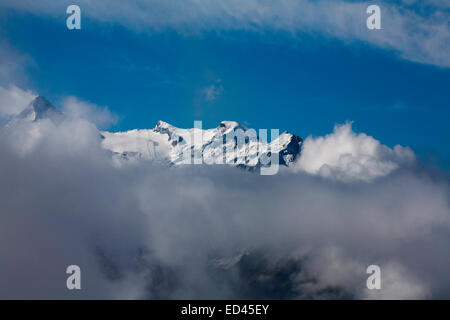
(212, 92)
(13, 64)
(416, 31)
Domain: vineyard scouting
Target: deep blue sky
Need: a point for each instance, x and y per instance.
(268, 80)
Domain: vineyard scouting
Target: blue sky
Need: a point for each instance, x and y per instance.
(265, 77)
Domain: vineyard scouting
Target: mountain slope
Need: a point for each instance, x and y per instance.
(230, 143)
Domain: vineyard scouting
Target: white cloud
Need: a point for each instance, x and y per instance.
(149, 232)
(213, 91)
(345, 155)
(14, 99)
(78, 109)
(415, 36)
(397, 284)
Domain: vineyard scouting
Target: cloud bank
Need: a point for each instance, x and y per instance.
(417, 31)
(345, 155)
(143, 231)
(13, 100)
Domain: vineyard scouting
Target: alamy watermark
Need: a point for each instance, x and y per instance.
(74, 280)
(374, 280)
(74, 20)
(373, 22)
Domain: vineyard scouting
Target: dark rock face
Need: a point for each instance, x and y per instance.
(292, 150)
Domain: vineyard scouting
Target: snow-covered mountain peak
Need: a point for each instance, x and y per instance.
(39, 108)
(228, 126)
(163, 125)
(229, 143)
(169, 144)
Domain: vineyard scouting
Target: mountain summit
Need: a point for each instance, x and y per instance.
(229, 143)
(40, 108)
(169, 144)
